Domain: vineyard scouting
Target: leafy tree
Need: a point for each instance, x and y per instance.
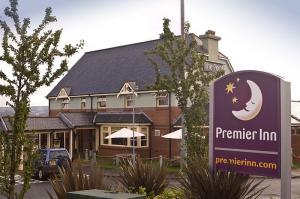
(30, 55)
(188, 79)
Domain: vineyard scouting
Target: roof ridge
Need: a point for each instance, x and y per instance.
(295, 118)
(126, 45)
(147, 116)
(68, 122)
(104, 113)
(136, 43)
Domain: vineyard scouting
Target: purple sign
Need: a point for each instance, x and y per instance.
(246, 123)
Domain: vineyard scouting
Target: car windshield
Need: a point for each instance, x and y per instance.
(58, 154)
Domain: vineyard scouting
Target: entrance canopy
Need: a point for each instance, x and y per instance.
(124, 133)
(174, 135)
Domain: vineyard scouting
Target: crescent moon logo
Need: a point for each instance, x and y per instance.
(253, 106)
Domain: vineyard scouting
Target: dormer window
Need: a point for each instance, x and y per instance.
(83, 103)
(162, 99)
(64, 93)
(128, 88)
(101, 102)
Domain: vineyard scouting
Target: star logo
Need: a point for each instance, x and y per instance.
(247, 99)
(234, 100)
(229, 87)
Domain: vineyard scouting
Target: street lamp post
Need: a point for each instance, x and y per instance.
(183, 151)
(133, 121)
(134, 87)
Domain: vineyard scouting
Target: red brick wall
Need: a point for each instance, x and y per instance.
(111, 151)
(160, 118)
(159, 145)
(296, 148)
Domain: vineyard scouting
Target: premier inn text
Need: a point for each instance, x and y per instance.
(245, 134)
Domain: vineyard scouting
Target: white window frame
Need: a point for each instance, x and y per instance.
(146, 136)
(62, 93)
(157, 132)
(102, 137)
(65, 104)
(162, 96)
(83, 101)
(101, 99)
(138, 129)
(129, 98)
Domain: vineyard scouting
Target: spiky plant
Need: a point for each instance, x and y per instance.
(199, 182)
(136, 174)
(69, 180)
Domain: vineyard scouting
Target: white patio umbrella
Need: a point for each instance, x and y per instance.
(124, 133)
(174, 135)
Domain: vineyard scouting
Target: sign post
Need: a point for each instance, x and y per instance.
(286, 154)
(250, 126)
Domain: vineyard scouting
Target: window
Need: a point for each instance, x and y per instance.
(65, 104)
(43, 140)
(162, 99)
(133, 140)
(298, 131)
(129, 101)
(105, 134)
(144, 139)
(101, 103)
(118, 141)
(125, 142)
(35, 139)
(156, 132)
(61, 139)
(83, 103)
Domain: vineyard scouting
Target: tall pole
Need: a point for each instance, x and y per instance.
(182, 17)
(183, 151)
(133, 121)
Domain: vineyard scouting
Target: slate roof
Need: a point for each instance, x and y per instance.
(121, 117)
(105, 71)
(81, 119)
(37, 124)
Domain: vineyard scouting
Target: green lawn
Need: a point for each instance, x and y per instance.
(109, 163)
(296, 166)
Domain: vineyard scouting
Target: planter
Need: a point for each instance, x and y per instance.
(102, 194)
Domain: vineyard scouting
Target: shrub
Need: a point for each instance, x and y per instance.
(200, 183)
(69, 180)
(171, 194)
(135, 175)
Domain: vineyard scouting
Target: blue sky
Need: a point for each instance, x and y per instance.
(256, 34)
